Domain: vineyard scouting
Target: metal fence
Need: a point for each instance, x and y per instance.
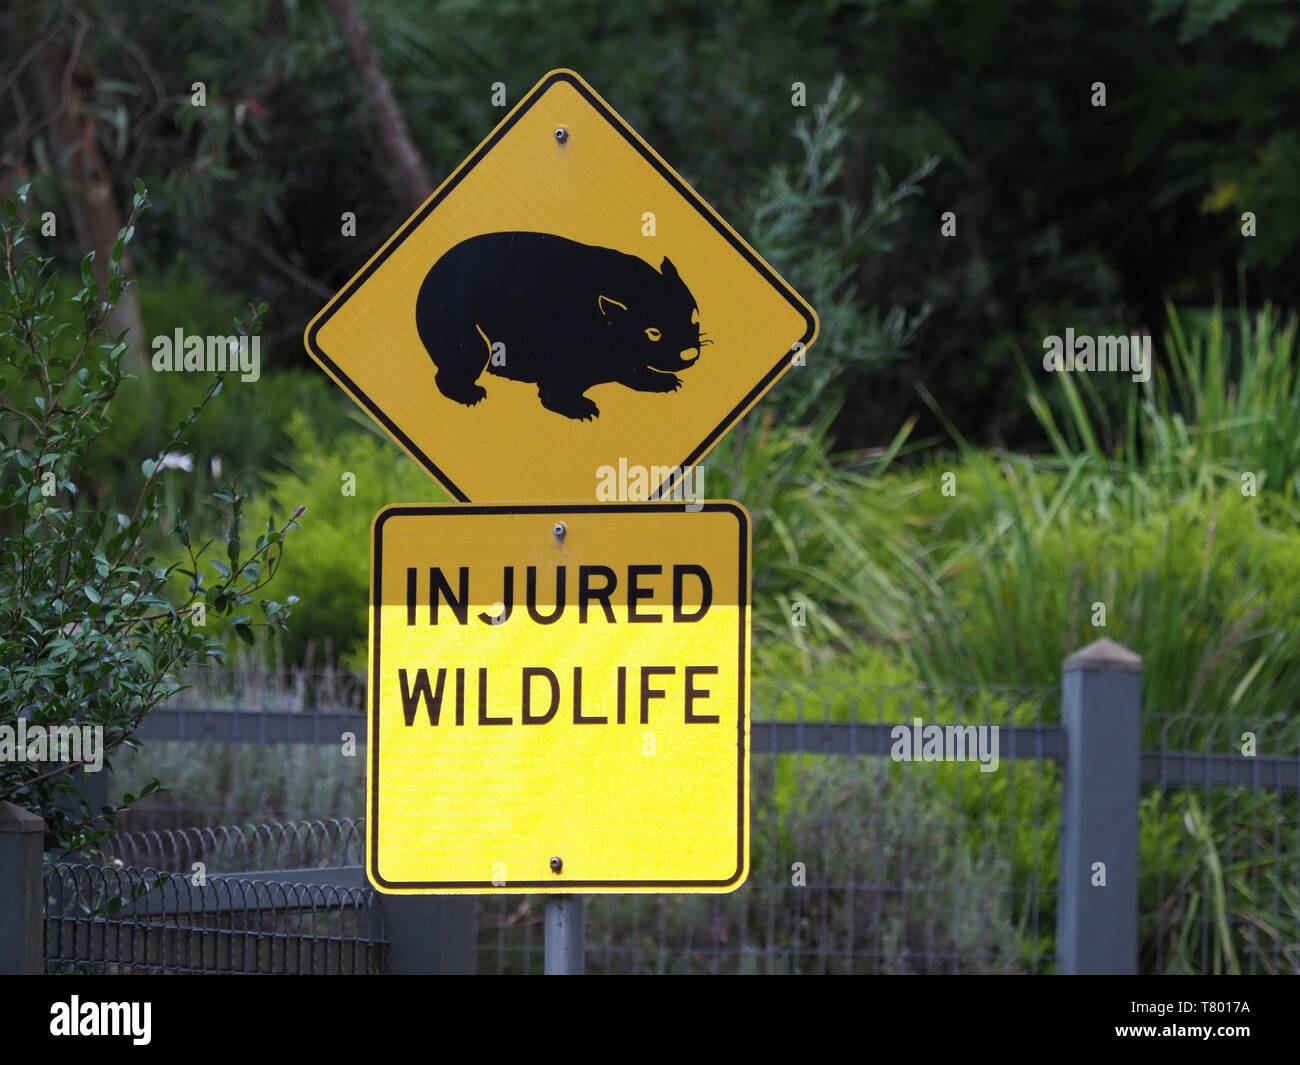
(100, 919)
(858, 863)
(1220, 887)
(271, 898)
(1078, 853)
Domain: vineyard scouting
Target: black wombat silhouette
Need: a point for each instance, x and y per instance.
(569, 315)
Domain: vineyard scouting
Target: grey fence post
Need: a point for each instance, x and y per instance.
(430, 934)
(22, 891)
(1101, 715)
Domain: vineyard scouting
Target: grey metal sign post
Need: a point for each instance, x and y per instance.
(565, 935)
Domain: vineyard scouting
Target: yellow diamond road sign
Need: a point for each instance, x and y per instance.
(562, 306)
(559, 698)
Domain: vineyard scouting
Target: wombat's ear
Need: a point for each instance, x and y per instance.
(667, 268)
(606, 304)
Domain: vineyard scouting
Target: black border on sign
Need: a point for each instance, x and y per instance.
(519, 886)
(683, 189)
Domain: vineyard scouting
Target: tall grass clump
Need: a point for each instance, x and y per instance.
(1203, 589)
(1223, 403)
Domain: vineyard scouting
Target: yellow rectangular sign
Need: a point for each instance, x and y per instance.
(559, 698)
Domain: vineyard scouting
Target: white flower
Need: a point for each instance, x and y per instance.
(175, 460)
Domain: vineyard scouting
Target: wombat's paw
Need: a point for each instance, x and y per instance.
(584, 409)
(579, 408)
(466, 392)
(654, 381)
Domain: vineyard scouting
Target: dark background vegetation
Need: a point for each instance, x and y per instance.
(1068, 214)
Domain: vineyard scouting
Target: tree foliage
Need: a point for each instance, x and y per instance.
(88, 636)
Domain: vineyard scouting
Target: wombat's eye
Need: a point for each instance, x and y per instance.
(653, 334)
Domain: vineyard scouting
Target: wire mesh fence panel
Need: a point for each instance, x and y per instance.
(1220, 882)
(249, 778)
(323, 690)
(107, 920)
(861, 861)
(278, 744)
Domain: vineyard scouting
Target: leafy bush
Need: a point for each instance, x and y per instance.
(331, 569)
(803, 221)
(807, 566)
(88, 638)
(245, 434)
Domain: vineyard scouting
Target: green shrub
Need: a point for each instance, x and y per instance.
(816, 571)
(806, 224)
(90, 644)
(330, 571)
(243, 435)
